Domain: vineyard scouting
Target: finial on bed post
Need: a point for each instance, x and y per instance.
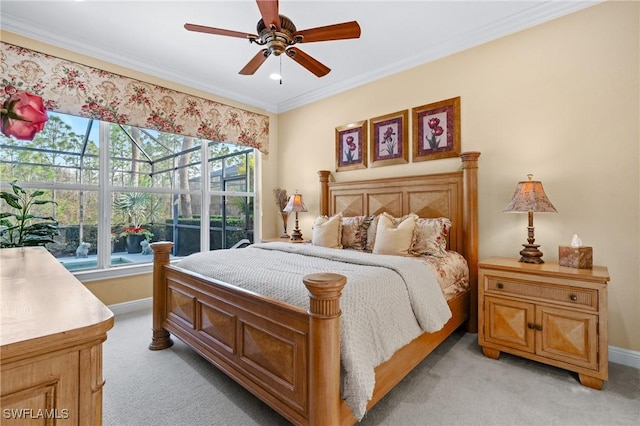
(470, 230)
(325, 290)
(324, 192)
(161, 338)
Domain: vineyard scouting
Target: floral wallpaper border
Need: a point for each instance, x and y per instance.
(72, 88)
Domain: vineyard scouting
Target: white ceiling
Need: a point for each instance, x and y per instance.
(148, 36)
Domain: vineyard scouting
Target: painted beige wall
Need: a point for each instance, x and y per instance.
(560, 100)
(124, 289)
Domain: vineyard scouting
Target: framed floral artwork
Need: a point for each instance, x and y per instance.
(436, 130)
(351, 146)
(389, 140)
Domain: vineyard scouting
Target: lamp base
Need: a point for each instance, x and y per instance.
(296, 236)
(531, 254)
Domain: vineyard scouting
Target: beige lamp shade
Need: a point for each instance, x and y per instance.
(295, 204)
(530, 197)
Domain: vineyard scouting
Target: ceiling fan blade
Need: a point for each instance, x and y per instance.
(343, 31)
(269, 12)
(255, 62)
(218, 31)
(308, 62)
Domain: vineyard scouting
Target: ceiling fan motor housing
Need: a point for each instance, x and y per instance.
(277, 39)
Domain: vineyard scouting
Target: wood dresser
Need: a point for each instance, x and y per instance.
(545, 312)
(51, 334)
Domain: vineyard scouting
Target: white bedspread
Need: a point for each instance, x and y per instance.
(388, 300)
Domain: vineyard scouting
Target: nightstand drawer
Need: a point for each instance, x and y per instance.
(569, 295)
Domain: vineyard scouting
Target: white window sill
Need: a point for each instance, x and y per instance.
(115, 272)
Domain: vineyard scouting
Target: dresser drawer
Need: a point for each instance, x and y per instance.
(582, 297)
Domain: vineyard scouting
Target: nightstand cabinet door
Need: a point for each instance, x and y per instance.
(568, 336)
(510, 323)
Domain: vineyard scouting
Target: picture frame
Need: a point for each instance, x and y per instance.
(389, 139)
(351, 146)
(436, 130)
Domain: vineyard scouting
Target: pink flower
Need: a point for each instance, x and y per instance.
(433, 123)
(22, 116)
(10, 90)
(436, 130)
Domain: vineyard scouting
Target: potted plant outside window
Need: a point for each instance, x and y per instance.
(134, 236)
(136, 207)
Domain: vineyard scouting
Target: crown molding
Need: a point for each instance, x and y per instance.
(537, 14)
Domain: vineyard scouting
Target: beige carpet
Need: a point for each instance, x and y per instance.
(455, 385)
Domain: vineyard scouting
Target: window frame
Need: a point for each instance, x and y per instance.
(105, 191)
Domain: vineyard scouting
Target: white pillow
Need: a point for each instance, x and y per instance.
(395, 238)
(327, 231)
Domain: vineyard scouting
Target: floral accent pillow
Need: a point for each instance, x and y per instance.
(354, 231)
(431, 236)
(327, 231)
(395, 237)
(371, 233)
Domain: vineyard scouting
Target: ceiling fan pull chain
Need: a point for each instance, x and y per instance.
(280, 69)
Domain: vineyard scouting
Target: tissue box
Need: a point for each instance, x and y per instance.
(576, 257)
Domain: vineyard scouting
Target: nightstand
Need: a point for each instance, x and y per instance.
(545, 312)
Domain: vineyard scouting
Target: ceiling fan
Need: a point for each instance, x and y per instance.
(279, 35)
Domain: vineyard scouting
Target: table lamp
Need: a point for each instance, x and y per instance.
(295, 204)
(530, 197)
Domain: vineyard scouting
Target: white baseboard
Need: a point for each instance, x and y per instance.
(624, 356)
(617, 355)
(132, 306)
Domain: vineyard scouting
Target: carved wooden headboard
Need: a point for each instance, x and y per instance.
(453, 195)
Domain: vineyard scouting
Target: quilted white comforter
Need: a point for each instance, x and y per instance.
(387, 302)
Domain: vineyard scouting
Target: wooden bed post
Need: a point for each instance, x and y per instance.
(324, 192)
(470, 230)
(161, 338)
(324, 347)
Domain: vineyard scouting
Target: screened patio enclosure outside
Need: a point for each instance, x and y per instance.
(118, 187)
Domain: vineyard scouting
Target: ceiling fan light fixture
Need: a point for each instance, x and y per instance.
(275, 76)
(278, 34)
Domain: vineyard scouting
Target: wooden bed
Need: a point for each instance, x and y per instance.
(288, 357)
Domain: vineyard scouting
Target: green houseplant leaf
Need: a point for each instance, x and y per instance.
(20, 227)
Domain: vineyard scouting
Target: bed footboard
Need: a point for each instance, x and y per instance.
(286, 356)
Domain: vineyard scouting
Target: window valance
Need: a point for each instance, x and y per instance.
(77, 89)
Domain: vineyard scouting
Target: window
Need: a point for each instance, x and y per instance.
(119, 187)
